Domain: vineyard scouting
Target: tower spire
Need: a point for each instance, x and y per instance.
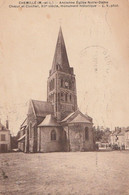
(60, 60)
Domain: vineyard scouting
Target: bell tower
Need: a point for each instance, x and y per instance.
(61, 84)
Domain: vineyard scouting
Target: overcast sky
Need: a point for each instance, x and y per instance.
(97, 43)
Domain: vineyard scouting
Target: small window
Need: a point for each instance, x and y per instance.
(58, 96)
(61, 82)
(62, 96)
(70, 97)
(57, 67)
(66, 97)
(2, 137)
(53, 135)
(86, 133)
(70, 85)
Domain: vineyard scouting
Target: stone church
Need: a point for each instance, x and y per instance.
(57, 124)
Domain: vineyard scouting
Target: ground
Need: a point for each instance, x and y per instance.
(79, 173)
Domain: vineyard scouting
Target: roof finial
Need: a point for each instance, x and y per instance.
(7, 123)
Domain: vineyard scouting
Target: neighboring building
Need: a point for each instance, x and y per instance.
(5, 138)
(114, 137)
(119, 138)
(57, 124)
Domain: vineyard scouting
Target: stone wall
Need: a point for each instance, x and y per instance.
(44, 142)
(77, 141)
(57, 94)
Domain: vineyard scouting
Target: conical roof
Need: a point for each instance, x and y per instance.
(60, 60)
(49, 121)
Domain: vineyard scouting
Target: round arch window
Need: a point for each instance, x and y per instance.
(86, 133)
(53, 135)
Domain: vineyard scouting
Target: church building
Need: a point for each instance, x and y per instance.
(57, 124)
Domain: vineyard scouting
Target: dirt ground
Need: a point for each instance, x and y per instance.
(79, 173)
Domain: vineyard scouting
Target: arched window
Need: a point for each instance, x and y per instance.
(86, 133)
(61, 82)
(66, 97)
(62, 96)
(57, 67)
(53, 135)
(58, 96)
(70, 97)
(70, 85)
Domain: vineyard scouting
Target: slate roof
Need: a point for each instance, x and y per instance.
(80, 118)
(42, 108)
(49, 121)
(60, 57)
(77, 117)
(69, 116)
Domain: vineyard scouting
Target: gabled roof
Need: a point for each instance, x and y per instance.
(60, 60)
(68, 117)
(49, 121)
(41, 108)
(77, 117)
(80, 118)
(24, 124)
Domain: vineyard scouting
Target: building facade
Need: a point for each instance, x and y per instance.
(57, 124)
(120, 138)
(5, 138)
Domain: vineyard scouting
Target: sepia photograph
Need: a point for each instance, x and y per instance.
(64, 97)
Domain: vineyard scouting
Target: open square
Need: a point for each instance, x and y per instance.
(85, 173)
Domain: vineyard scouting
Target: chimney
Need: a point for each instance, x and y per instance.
(7, 124)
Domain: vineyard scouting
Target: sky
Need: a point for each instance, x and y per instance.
(97, 43)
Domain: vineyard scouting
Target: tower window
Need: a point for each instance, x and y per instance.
(70, 86)
(52, 84)
(70, 97)
(58, 96)
(66, 97)
(61, 82)
(53, 135)
(57, 67)
(86, 133)
(62, 96)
